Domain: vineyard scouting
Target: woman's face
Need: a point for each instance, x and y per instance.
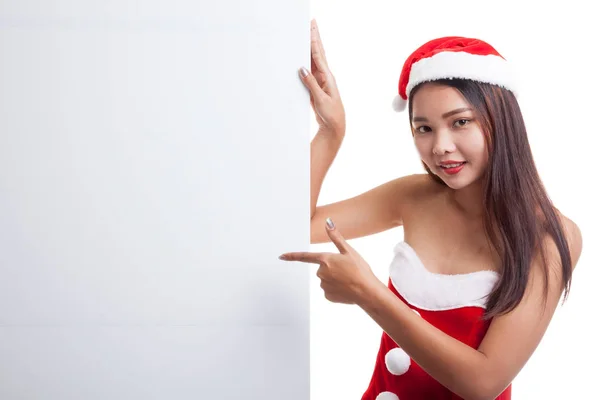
(445, 129)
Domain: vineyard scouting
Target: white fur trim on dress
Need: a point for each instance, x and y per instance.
(449, 64)
(431, 291)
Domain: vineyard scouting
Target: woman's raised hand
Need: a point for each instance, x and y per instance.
(324, 95)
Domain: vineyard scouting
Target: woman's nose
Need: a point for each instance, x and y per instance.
(443, 143)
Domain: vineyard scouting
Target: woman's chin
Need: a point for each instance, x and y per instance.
(455, 182)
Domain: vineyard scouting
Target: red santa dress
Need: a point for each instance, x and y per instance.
(452, 303)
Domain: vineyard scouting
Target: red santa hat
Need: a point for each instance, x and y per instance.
(453, 57)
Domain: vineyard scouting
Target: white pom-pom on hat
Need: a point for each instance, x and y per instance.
(399, 104)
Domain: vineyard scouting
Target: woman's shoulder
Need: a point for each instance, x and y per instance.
(572, 235)
(425, 188)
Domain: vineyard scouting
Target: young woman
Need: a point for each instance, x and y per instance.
(485, 257)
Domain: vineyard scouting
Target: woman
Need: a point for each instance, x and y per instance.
(485, 257)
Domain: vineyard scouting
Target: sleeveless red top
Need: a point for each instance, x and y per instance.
(452, 303)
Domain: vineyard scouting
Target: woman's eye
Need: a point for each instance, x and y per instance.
(461, 122)
(422, 129)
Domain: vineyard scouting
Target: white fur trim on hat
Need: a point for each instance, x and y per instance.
(450, 64)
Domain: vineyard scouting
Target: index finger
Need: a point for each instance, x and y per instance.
(303, 256)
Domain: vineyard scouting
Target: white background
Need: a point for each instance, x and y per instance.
(553, 46)
(154, 162)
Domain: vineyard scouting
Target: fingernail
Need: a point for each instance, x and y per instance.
(330, 223)
(304, 72)
(282, 257)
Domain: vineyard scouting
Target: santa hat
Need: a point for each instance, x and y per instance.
(453, 57)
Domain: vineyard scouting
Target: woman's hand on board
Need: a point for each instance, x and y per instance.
(324, 94)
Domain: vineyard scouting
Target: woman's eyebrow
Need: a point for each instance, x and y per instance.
(445, 115)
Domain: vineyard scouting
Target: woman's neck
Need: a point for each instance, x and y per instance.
(468, 201)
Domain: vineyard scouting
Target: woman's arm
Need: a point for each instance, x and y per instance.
(510, 341)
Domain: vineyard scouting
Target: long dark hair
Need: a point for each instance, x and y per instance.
(518, 211)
